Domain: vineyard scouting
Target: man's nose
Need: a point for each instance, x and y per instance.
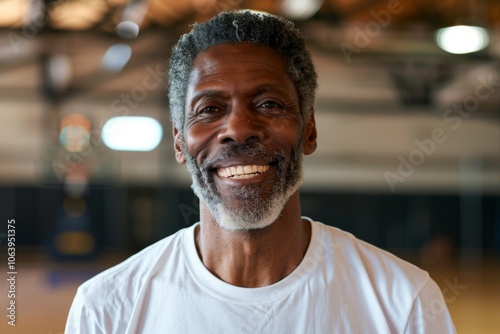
(243, 125)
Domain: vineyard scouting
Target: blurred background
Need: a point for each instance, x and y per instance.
(408, 115)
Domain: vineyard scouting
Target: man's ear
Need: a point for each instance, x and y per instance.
(310, 134)
(179, 153)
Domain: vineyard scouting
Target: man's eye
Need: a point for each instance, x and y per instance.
(271, 104)
(207, 110)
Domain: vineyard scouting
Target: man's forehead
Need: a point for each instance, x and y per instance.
(245, 52)
(228, 57)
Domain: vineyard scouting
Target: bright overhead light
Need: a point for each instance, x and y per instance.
(116, 57)
(126, 133)
(127, 29)
(300, 9)
(131, 19)
(462, 39)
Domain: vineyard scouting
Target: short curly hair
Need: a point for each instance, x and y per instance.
(242, 27)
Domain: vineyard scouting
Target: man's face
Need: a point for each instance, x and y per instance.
(244, 134)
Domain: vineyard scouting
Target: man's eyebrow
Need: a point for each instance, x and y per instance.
(280, 89)
(206, 92)
(267, 88)
(216, 92)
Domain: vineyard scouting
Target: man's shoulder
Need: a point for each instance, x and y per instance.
(126, 278)
(360, 257)
(375, 278)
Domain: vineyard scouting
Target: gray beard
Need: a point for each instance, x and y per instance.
(254, 211)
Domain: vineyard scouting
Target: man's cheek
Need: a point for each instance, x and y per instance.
(278, 125)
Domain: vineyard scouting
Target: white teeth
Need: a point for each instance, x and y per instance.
(242, 172)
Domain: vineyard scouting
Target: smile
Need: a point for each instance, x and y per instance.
(242, 172)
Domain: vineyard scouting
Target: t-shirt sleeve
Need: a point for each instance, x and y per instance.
(81, 319)
(429, 313)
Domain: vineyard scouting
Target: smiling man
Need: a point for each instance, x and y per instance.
(242, 91)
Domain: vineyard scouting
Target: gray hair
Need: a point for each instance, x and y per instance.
(242, 27)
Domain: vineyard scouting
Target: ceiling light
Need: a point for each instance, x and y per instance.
(127, 133)
(127, 29)
(131, 19)
(462, 39)
(300, 9)
(116, 57)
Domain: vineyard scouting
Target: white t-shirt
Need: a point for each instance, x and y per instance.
(343, 285)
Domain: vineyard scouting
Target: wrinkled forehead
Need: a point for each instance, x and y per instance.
(235, 54)
(246, 66)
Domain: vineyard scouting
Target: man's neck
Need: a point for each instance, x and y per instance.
(254, 258)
